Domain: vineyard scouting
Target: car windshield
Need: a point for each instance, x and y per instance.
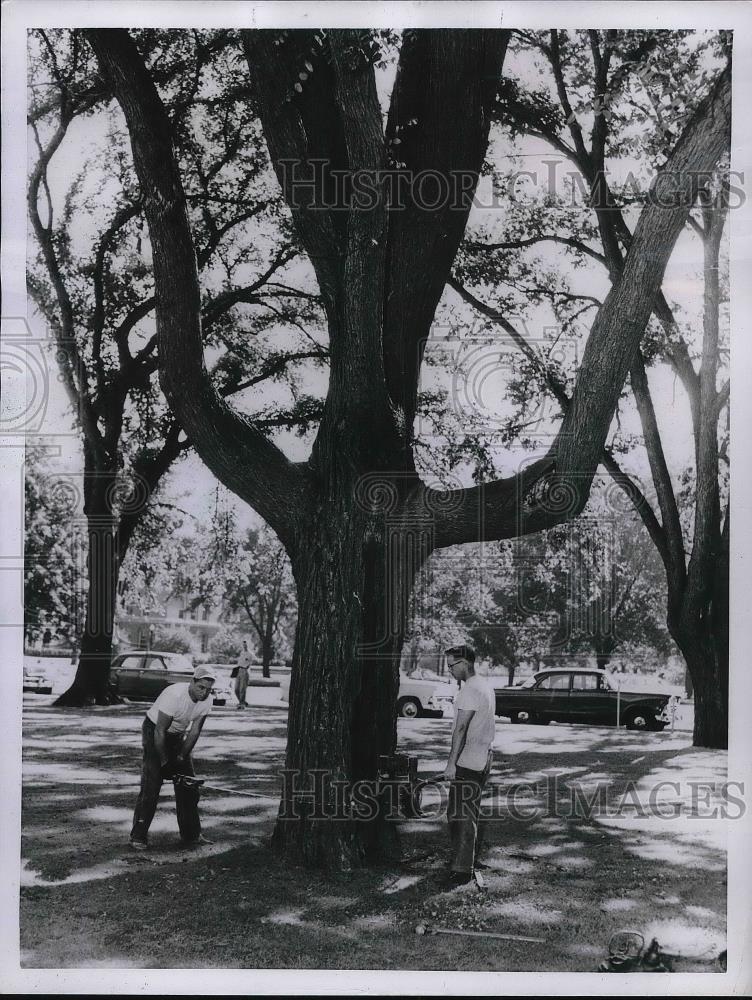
(528, 683)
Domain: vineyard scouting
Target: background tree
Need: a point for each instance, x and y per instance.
(355, 518)
(174, 640)
(54, 585)
(260, 586)
(634, 91)
(92, 282)
(593, 587)
(226, 646)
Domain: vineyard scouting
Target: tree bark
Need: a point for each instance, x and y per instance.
(709, 673)
(353, 579)
(91, 682)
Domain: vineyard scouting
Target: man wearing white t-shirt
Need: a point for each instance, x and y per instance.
(171, 728)
(469, 759)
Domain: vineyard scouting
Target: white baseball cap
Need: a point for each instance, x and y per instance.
(204, 673)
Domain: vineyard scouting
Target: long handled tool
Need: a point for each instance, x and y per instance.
(429, 929)
(189, 781)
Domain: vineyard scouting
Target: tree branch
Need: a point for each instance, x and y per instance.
(439, 119)
(557, 386)
(567, 241)
(555, 488)
(673, 556)
(233, 448)
(69, 357)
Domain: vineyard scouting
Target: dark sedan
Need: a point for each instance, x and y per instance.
(580, 695)
(141, 676)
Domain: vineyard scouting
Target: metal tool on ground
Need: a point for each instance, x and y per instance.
(627, 953)
(430, 929)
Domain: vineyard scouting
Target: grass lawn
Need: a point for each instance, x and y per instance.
(88, 901)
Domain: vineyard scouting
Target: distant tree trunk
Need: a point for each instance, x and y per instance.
(511, 671)
(91, 683)
(267, 647)
(689, 688)
(413, 659)
(603, 647)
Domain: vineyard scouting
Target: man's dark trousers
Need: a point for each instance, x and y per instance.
(186, 799)
(463, 809)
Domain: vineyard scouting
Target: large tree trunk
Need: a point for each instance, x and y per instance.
(91, 683)
(709, 673)
(700, 630)
(354, 577)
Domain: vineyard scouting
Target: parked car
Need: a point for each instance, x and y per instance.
(423, 696)
(141, 676)
(36, 680)
(417, 696)
(580, 695)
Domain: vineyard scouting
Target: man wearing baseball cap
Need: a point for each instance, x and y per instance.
(170, 731)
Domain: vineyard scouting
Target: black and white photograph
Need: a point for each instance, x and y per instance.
(373, 618)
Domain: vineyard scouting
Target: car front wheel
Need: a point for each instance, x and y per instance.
(408, 708)
(642, 720)
(523, 716)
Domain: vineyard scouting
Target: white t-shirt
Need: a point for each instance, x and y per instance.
(245, 660)
(476, 695)
(176, 701)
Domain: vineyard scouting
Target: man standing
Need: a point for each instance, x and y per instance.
(241, 678)
(469, 760)
(170, 731)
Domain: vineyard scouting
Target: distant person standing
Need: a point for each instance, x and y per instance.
(170, 731)
(469, 761)
(241, 678)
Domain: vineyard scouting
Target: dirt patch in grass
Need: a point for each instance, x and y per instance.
(569, 878)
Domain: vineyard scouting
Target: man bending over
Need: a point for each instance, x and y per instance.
(170, 731)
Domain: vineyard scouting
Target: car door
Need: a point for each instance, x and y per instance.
(589, 700)
(550, 697)
(155, 677)
(128, 671)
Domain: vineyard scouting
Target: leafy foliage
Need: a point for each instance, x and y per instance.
(54, 555)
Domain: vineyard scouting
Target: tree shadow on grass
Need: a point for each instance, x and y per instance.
(570, 880)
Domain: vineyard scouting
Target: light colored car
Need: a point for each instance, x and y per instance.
(424, 695)
(417, 696)
(140, 675)
(36, 680)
